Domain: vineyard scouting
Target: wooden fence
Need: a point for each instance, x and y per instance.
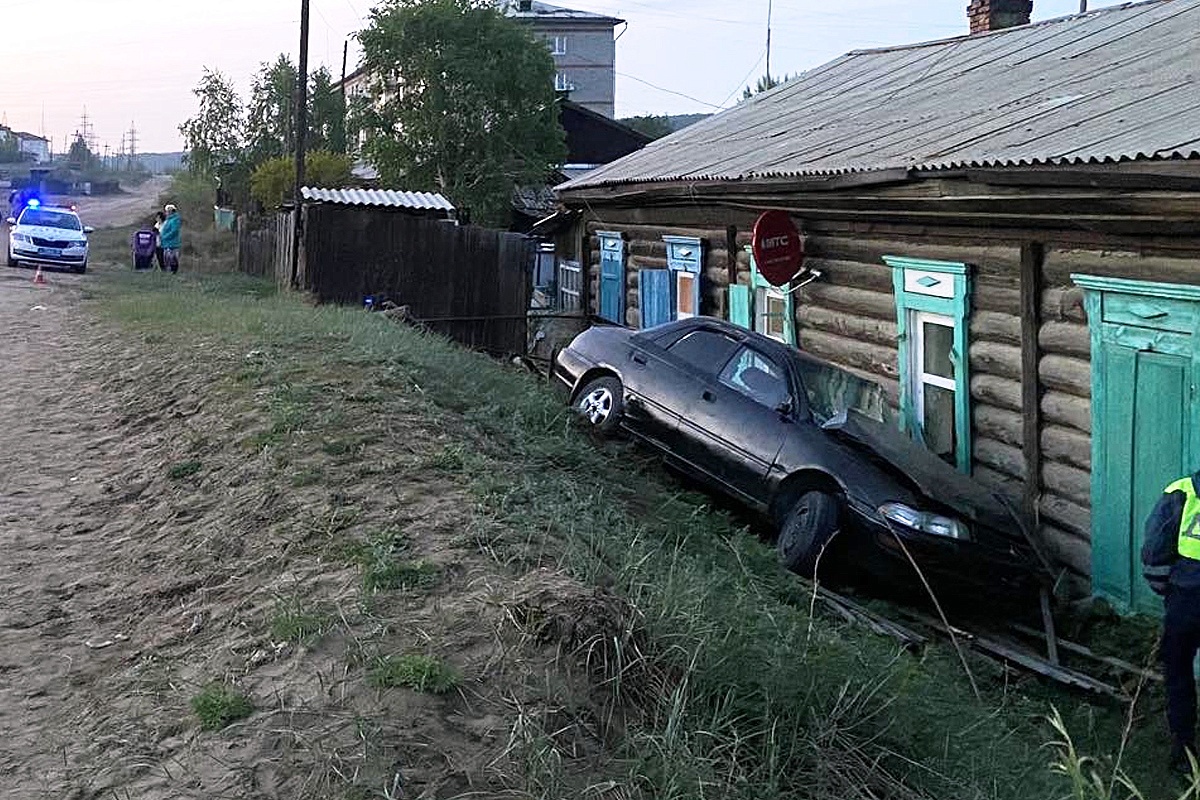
(264, 246)
(469, 283)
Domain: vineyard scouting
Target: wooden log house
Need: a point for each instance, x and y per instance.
(1006, 226)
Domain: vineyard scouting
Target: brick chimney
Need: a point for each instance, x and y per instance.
(993, 15)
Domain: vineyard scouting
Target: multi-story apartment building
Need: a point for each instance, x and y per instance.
(584, 50)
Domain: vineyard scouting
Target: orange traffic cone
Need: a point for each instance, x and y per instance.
(39, 278)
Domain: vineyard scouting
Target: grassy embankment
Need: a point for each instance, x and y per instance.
(727, 685)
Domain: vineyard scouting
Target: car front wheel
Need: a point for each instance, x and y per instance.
(600, 404)
(12, 262)
(806, 530)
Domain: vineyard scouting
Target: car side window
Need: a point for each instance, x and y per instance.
(705, 350)
(757, 377)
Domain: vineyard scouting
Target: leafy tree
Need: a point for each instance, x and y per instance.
(214, 136)
(650, 125)
(271, 116)
(766, 83)
(80, 156)
(274, 181)
(464, 102)
(10, 150)
(326, 114)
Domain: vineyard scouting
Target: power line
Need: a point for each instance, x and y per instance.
(668, 91)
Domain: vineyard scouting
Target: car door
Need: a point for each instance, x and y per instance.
(664, 375)
(736, 424)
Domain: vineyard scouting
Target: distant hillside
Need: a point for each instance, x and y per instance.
(160, 162)
(657, 127)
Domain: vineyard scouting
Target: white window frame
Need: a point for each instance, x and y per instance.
(919, 377)
(562, 82)
(558, 45)
(762, 295)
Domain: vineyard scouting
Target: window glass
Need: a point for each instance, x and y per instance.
(685, 284)
(50, 219)
(938, 421)
(770, 313)
(933, 382)
(757, 377)
(938, 342)
(706, 350)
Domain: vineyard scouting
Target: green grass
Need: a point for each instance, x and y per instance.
(219, 705)
(294, 622)
(185, 469)
(417, 672)
(739, 692)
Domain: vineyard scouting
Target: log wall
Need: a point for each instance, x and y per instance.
(848, 317)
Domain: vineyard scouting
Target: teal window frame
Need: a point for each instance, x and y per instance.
(956, 308)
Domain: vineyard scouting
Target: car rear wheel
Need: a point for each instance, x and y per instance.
(600, 404)
(806, 530)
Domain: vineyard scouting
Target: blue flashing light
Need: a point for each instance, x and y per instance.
(35, 203)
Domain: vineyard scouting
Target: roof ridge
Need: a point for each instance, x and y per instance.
(1042, 23)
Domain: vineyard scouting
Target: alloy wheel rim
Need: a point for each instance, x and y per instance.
(597, 405)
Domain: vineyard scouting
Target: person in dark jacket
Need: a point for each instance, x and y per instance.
(1171, 565)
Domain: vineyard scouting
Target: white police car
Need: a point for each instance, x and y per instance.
(48, 235)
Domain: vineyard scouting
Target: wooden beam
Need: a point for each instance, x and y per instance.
(1032, 256)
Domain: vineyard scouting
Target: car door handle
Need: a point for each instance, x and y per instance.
(639, 359)
(707, 396)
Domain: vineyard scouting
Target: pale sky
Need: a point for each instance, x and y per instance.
(136, 61)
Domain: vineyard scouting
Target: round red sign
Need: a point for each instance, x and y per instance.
(778, 248)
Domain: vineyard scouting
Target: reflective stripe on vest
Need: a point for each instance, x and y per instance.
(1189, 523)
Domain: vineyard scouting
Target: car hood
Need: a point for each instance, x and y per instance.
(933, 477)
(57, 234)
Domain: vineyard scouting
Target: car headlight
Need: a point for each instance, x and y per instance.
(20, 237)
(923, 521)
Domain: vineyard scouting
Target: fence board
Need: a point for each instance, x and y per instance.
(469, 283)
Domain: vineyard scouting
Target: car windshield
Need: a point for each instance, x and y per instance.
(831, 390)
(51, 219)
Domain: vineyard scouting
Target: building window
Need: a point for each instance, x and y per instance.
(562, 83)
(558, 45)
(932, 315)
(684, 257)
(570, 285)
(769, 310)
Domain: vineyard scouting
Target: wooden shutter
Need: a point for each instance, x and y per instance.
(739, 305)
(612, 277)
(654, 287)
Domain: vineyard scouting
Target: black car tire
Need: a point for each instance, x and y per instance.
(808, 527)
(12, 262)
(601, 403)
(81, 269)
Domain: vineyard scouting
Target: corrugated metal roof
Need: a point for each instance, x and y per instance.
(1110, 85)
(544, 11)
(379, 197)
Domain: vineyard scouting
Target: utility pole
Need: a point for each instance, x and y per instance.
(301, 133)
(345, 58)
(769, 10)
(133, 138)
(1082, 6)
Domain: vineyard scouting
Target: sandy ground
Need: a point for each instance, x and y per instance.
(126, 591)
(120, 209)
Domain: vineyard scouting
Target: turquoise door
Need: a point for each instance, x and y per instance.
(1144, 427)
(612, 277)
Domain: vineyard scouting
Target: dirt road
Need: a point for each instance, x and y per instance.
(116, 210)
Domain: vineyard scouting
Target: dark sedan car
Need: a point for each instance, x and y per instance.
(804, 443)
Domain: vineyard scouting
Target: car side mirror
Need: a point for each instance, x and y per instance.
(785, 407)
(88, 229)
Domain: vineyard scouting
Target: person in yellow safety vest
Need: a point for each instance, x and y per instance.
(1171, 565)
